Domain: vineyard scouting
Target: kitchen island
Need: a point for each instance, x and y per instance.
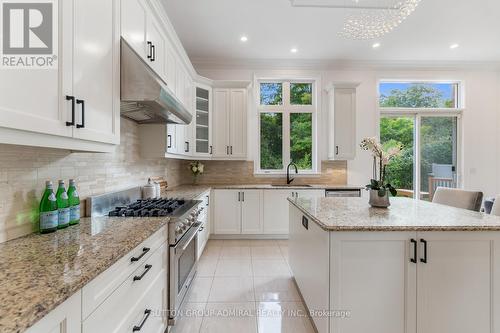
(415, 267)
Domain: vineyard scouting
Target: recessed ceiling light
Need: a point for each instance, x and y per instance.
(294, 50)
(454, 46)
(376, 45)
(244, 38)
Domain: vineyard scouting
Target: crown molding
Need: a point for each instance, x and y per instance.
(320, 64)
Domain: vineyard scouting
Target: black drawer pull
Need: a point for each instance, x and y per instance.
(153, 52)
(147, 312)
(144, 251)
(414, 259)
(82, 102)
(305, 222)
(139, 277)
(150, 53)
(72, 99)
(424, 259)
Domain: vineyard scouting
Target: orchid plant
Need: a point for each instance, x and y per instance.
(381, 158)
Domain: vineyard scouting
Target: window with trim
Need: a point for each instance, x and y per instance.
(287, 111)
(424, 119)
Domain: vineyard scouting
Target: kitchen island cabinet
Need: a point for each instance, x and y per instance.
(416, 267)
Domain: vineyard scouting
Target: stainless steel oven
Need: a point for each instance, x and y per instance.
(183, 260)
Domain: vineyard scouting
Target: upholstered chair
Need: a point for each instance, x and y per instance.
(470, 200)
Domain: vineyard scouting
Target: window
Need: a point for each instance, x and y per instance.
(416, 116)
(286, 126)
(427, 95)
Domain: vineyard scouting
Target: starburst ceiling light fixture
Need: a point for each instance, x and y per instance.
(367, 19)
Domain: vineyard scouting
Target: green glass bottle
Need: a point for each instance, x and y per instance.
(74, 203)
(49, 214)
(63, 206)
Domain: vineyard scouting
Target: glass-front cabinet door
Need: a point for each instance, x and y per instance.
(203, 121)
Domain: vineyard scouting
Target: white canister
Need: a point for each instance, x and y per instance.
(149, 190)
(158, 189)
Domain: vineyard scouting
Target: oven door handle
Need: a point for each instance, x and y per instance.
(190, 235)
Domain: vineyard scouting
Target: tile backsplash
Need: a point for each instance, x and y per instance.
(241, 172)
(24, 170)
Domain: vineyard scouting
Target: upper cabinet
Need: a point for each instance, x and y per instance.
(342, 121)
(203, 121)
(230, 123)
(75, 104)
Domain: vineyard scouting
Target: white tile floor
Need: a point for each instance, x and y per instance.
(243, 286)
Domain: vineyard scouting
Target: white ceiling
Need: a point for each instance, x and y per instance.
(210, 30)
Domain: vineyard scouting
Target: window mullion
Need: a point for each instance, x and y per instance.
(286, 139)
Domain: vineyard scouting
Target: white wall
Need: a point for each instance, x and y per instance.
(481, 119)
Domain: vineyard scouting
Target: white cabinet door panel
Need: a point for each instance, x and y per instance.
(309, 253)
(456, 286)
(251, 212)
(220, 136)
(227, 212)
(276, 211)
(238, 123)
(34, 99)
(133, 25)
(373, 278)
(96, 72)
(66, 318)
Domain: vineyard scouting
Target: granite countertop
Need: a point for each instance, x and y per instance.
(39, 272)
(193, 191)
(354, 214)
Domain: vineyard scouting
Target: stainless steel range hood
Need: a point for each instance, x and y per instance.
(145, 97)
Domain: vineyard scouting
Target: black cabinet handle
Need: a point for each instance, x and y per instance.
(82, 102)
(305, 222)
(336, 150)
(239, 196)
(242, 196)
(414, 259)
(186, 148)
(139, 277)
(147, 312)
(208, 200)
(72, 99)
(231, 150)
(150, 51)
(144, 251)
(153, 52)
(424, 259)
(169, 141)
(210, 150)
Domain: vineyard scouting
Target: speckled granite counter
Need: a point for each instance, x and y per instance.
(354, 214)
(39, 272)
(193, 191)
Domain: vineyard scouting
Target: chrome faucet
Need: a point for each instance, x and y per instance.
(288, 179)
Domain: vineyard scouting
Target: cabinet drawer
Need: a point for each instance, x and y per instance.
(96, 291)
(126, 305)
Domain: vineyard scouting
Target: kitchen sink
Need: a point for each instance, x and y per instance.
(290, 185)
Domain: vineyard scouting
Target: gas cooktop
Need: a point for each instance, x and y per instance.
(150, 208)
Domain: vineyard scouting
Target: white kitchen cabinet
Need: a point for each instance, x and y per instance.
(230, 123)
(309, 253)
(170, 67)
(66, 318)
(251, 212)
(457, 288)
(144, 290)
(226, 212)
(133, 25)
(203, 121)
(95, 70)
(373, 278)
(155, 42)
(76, 104)
(204, 218)
(237, 212)
(276, 208)
(342, 121)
